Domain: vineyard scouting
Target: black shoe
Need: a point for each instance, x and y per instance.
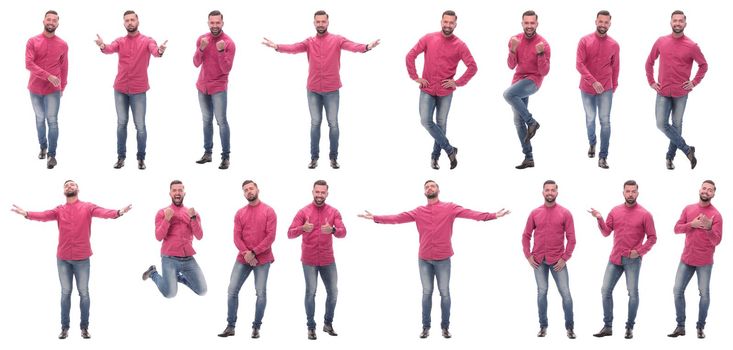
(255, 333)
(120, 163)
(51, 162)
(425, 333)
(542, 332)
(206, 158)
(224, 164)
(434, 164)
(85, 333)
(64, 331)
(700, 334)
(148, 272)
(691, 157)
(228, 332)
(571, 334)
(592, 151)
(141, 164)
(328, 328)
(42, 155)
(604, 332)
(452, 157)
(670, 165)
(335, 164)
(531, 130)
(527, 163)
(678, 331)
(312, 334)
(602, 163)
(629, 333)
(446, 333)
(313, 164)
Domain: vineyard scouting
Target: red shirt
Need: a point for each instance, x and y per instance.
(317, 247)
(75, 227)
(215, 65)
(528, 64)
(675, 64)
(45, 57)
(324, 59)
(551, 226)
(435, 226)
(254, 230)
(597, 60)
(699, 243)
(442, 55)
(178, 233)
(629, 226)
(133, 59)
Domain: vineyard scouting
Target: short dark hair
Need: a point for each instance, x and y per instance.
(129, 12)
(67, 181)
(175, 182)
(603, 13)
(631, 183)
(216, 13)
(320, 13)
(550, 182)
(450, 13)
(428, 181)
(712, 183)
(678, 12)
(530, 13)
(320, 183)
(247, 182)
(51, 12)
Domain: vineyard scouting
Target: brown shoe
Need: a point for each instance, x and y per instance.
(700, 334)
(64, 333)
(629, 333)
(542, 333)
(206, 158)
(228, 332)
(446, 333)
(452, 157)
(120, 163)
(592, 151)
(691, 157)
(678, 331)
(531, 131)
(328, 328)
(255, 333)
(527, 163)
(51, 163)
(85, 333)
(425, 333)
(224, 164)
(312, 334)
(602, 163)
(604, 332)
(42, 155)
(571, 334)
(313, 164)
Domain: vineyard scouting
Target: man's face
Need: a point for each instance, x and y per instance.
(630, 194)
(177, 194)
(549, 191)
(131, 23)
(431, 190)
(71, 189)
(448, 24)
(251, 192)
(529, 25)
(215, 25)
(321, 23)
(678, 24)
(602, 24)
(50, 23)
(320, 193)
(707, 192)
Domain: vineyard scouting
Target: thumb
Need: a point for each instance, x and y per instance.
(165, 42)
(308, 220)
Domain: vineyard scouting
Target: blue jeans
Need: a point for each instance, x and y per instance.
(329, 275)
(179, 269)
(684, 275)
(613, 272)
(215, 106)
(431, 270)
(602, 105)
(123, 104)
(69, 269)
(673, 107)
(240, 272)
(517, 96)
(562, 282)
(440, 105)
(46, 108)
(317, 102)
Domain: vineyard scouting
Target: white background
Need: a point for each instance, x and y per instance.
(385, 160)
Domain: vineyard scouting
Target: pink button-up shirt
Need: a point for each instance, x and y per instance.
(435, 226)
(699, 243)
(675, 64)
(629, 226)
(254, 230)
(317, 247)
(215, 65)
(597, 60)
(324, 59)
(133, 59)
(75, 227)
(45, 57)
(528, 64)
(551, 226)
(442, 55)
(178, 233)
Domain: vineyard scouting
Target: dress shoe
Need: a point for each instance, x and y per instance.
(571, 334)
(452, 157)
(228, 332)
(313, 164)
(542, 332)
(64, 333)
(691, 157)
(700, 334)
(434, 164)
(592, 151)
(446, 333)
(120, 163)
(42, 154)
(678, 331)
(602, 163)
(141, 164)
(148, 272)
(328, 328)
(629, 333)
(670, 164)
(604, 332)
(312, 334)
(531, 130)
(224, 164)
(255, 333)
(51, 162)
(425, 333)
(527, 163)
(85, 333)
(335, 164)
(206, 158)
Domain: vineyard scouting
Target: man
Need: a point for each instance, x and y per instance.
(47, 59)
(435, 226)
(255, 225)
(597, 60)
(318, 223)
(215, 55)
(324, 81)
(552, 225)
(74, 250)
(630, 222)
(529, 55)
(176, 226)
(702, 225)
(676, 53)
(442, 51)
(134, 51)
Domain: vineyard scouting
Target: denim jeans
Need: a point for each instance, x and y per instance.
(440, 106)
(123, 104)
(46, 108)
(179, 269)
(631, 268)
(317, 102)
(215, 106)
(684, 275)
(69, 269)
(431, 270)
(517, 96)
(600, 104)
(240, 272)
(329, 275)
(562, 281)
(673, 107)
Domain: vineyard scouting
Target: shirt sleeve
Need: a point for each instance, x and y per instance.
(270, 227)
(511, 60)
(227, 60)
(47, 215)
(196, 228)
(30, 62)
(702, 65)
(527, 235)
(349, 45)
(99, 212)
(296, 227)
(408, 216)
(464, 213)
(651, 235)
(412, 56)
(653, 54)
(198, 55)
(153, 48)
(238, 241)
(580, 57)
(543, 60)
(716, 231)
(616, 66)
(682, 226)
(569, 236)
(111, 47)
(471, 67)
(293, 48)
(606, 227)
(338, 224)
(161, 225)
